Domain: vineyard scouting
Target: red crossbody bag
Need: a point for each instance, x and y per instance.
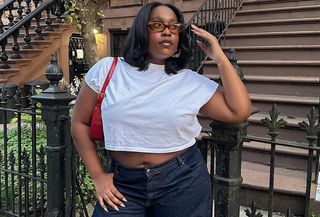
(96, 127)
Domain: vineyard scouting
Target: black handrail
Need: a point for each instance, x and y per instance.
(196, 13)
(217, 16)
(6, 4)
(26, 19)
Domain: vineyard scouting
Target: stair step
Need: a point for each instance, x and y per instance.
(289, 189)
(284, 85)
(9, 71)
(46, 35)
(285, 99)
(284, 25)
(273, 38)
(26, 53)
(291, 122)
(244, 11)
(285, 157)
(34, 43)
(3, 81)
(291, 131)
(5, 74)
(294, 89)
(278, 53)
(274, 62)
(17, 63)
(308, 11)
(254, 173)
(291, 106)
(259, 4)
(271, 68)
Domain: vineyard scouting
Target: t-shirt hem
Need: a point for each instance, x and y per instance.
(150, 150)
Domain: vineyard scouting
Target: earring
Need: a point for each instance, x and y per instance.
(177, 55)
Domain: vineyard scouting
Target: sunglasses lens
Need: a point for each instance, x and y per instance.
(175, 28)
(158, 27)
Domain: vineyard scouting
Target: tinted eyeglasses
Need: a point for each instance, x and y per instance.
(156, 26)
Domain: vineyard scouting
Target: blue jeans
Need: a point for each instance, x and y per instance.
(180, 187)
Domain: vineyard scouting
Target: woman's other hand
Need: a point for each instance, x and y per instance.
(106, 191)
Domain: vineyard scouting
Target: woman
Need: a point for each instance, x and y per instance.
(150, 120)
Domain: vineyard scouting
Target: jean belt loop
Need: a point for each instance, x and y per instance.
(180, 161)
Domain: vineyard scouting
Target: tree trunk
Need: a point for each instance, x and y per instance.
(88, 17)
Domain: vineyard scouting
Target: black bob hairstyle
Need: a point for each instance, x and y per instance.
(137, 41)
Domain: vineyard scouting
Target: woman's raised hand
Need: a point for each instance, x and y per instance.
(214, 50)
(106, 191)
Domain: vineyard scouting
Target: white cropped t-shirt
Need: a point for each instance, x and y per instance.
(150, 111)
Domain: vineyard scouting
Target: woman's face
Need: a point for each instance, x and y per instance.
(162, 44)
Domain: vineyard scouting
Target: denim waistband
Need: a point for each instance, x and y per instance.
(154, 169)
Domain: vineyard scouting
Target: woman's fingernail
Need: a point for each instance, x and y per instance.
(116, 208)
(106, 209)
(125, 200)
(122, 205)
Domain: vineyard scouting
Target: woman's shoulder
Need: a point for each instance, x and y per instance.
(188, 73)
(105, 61)
(193, 77)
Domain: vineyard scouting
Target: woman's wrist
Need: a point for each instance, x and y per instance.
(221, 60)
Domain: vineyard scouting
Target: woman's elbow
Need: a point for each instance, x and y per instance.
(243, 115)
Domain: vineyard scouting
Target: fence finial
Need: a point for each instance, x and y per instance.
(313, 127)
(54, 72)
(274, 123)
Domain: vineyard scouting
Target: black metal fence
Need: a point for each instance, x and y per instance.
(39, 169)
(225, 142)
(41, 174)
(22, 159)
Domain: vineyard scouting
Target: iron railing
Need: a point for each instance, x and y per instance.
(223, 145)
(22, 160)
(214, 16)
(26, 11)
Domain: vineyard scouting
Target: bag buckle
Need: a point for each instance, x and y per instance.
(101, 94)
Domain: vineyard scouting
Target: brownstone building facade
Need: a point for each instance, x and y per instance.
(119, 16)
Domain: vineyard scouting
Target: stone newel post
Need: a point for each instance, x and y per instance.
(227, 140)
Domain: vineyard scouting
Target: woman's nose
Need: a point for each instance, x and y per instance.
(166, 31)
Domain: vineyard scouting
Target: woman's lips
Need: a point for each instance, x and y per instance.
(166, 43)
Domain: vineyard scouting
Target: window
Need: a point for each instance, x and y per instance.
(117, 42)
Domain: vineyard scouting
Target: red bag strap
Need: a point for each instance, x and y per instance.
(108, 78)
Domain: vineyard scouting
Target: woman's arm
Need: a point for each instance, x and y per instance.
(231, 103)
(80, 130)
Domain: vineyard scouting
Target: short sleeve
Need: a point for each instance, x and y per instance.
(202, 87)
(97, 74)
